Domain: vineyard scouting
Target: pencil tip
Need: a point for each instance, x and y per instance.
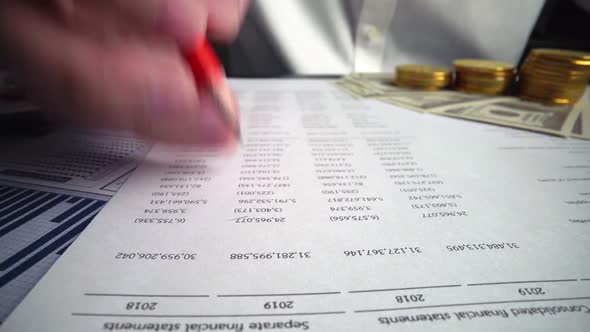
(238, 133)
(226, 106)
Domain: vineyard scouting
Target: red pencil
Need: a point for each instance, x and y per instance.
(209, 75)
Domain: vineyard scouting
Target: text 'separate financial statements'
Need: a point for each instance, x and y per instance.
(334, 215)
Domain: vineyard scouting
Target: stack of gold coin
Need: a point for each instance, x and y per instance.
(554, 76)
(422, 77)
(484, 77)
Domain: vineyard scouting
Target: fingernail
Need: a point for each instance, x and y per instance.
(242, 6)
(212, 128)
(166, 112)
(180, 20)
(162, 103)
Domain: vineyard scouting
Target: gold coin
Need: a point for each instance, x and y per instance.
(484, 77)
(550, 101)
(475, 79)
(551, 96)
(547, 96)
(553, 70)
(554, 76)
(550, 91)
(481, 92)
(550, 80)
(422, 80)
(483, 87)
(483, 65)
(422, 77)
(555, 80)
(483, 83)
(425, 70)
(483, 74)
(418, 87)
(577, 57)
(581, 65)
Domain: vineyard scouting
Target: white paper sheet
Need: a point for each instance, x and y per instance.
(78, 160)
(335, 215)
(51, 186)
(37, 224)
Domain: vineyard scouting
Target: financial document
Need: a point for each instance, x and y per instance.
(334, 215)
(79, 160)
(51, 187)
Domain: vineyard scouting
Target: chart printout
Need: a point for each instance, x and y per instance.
(51, 187)
(334, 215)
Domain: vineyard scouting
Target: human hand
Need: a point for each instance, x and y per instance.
(119, 63)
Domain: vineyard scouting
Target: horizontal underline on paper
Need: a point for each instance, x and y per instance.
(144, 295)
(93, 314)
(400, 289)
(473, 303)
(279, 294)
(520, 282)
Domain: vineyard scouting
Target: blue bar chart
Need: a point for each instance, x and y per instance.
(36, 227)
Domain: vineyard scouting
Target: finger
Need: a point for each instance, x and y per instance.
(133, 84)
(38, 45)
(225, 18)
(98, 20)
(183, 20)
(172, 115)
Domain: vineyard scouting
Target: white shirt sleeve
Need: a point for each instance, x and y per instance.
(439, 31)
(312, 37)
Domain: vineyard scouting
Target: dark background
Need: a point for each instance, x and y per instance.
(562, 24)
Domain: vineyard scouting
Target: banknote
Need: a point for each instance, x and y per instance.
(517, 113)
(505, 111)
(378, 86)
(582, 125)
(427, 101)
(367, 85)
